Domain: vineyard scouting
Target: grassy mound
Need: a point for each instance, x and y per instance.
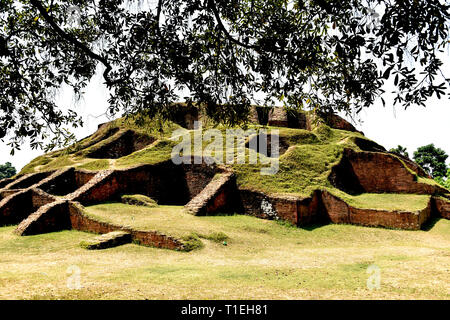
(139, 200)
(95, 165)
(385, 201)
(303, 168)
(169, 220)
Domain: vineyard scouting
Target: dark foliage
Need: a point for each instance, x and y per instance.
(401, 151)
(319, 54)
(7, 170)
(432, 159)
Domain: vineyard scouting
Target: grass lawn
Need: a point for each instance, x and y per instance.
(263, 260)
(385, 201)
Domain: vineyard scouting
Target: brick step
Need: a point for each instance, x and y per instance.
(107, 240)
(88, 191)
(213, 197)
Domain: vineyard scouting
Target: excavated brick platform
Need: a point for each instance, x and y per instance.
(119, 145)
(279, 117)
(56, 202)
(338, 211)
(296, 210)
(323, 207)
(80, 221)
(220, 195)
(377, 172)
(165, 182)
(53, 201)
(442, 207)
(107, 240)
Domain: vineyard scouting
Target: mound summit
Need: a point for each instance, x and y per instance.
(328, 173)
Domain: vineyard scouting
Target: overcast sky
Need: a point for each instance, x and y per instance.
(388, 126)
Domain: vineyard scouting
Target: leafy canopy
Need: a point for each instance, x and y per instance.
(401, 151)
(432, 159)
(7, 170)
(222, 54)
(444, 181)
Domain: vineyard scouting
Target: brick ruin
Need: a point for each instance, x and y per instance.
(53, 201)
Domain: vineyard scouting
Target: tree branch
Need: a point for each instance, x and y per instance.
(4, 47)
(258, 48)
(74, 41)
(212, 5)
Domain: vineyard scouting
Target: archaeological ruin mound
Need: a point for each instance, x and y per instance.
(328, 173)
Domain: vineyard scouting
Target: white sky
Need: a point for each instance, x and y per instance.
(389, 126)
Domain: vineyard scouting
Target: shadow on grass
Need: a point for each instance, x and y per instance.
(313, 226)
(430, 223)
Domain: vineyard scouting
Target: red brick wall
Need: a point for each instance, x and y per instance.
(278, 118)
(166, 182)
(337, 210)
(340, 212)
(298, 211)
(40, 198)
(442, 207)
(15, 208)
(376, 172)
(49, 218)
(311, 210)
(81, 222)
(106, 189)
(82, 177)
(29, 180)
(121, 144)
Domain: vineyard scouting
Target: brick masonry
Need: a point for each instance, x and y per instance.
(298, 211)
(323, 207)
(80, 221)
(28, 180)
(31, 201)
(278, 117)
(67, 181)
(442, 207)
(339, 211)
(220, 195)
(377, 172)
(108, 240)
(50, 217)
(5, 182)
(120, 144)
(165, 182)
(37, 211)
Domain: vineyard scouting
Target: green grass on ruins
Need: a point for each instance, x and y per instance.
(174, 221)
(303, 168)
(262, 260)
(385, 201)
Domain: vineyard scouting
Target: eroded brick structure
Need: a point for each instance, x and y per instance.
(56, 201)
(52, 201)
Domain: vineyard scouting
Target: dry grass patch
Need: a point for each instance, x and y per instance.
(263, 260)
